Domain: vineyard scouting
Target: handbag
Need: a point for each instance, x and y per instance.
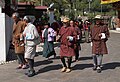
(33, 42)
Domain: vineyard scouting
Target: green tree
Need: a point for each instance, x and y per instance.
(79, 5)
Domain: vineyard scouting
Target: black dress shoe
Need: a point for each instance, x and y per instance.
(31, 74)
(94, 68)
(99, 69)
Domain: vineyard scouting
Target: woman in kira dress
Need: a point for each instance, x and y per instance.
(48, 35)
(78, 47)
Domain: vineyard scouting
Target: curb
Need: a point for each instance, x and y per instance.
(7, 62)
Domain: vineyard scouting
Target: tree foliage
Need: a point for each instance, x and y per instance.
(66, 4)
(78, 4)
(71, 5)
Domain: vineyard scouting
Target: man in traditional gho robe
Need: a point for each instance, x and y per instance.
(67, 39)
(99, 36)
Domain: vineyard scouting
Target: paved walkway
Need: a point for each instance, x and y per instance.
(49, 71)
(115, 31)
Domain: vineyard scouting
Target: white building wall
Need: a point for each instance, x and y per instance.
(5, 35)
(2, 38)
(8, 30)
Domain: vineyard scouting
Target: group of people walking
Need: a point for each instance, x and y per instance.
(26, 37)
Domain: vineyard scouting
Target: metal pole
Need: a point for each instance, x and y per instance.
(101, 8)
(89, 5)
(41, 2)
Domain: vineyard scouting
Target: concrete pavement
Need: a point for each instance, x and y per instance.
(49, 71)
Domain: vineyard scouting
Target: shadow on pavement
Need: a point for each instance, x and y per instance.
(44, 62)
(83, 58)
(81, 66)
(49, 68)
(86, 58)
(57, 57)
(38, 53)
(111, 65)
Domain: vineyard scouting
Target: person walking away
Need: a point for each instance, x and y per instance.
(86, 30)
(55, 25)
(99, 35)
(78, 46)
(31, 39)
(80, 25)
(18, 28)
(67, 38)
(77, 30)
(48, 35)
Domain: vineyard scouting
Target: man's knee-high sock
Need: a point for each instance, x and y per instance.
(95, 60)
(69, 62)
(63, 61)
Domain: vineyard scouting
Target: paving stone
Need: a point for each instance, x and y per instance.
(49, 71)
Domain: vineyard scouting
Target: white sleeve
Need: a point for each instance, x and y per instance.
(43, 33)
(52, 32)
